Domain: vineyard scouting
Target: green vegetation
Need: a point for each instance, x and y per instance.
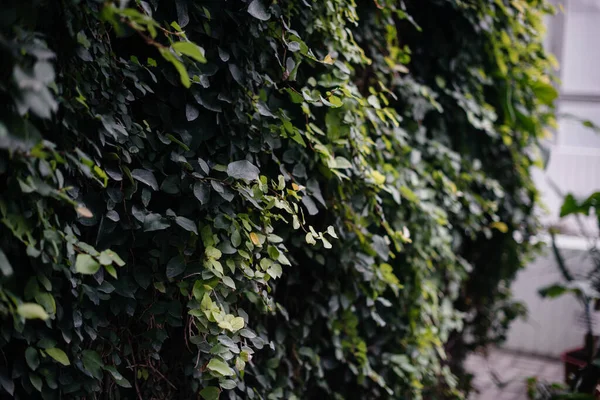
(267, 199)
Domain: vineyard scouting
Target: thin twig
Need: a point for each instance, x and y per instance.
(162, 376)
(135, 380)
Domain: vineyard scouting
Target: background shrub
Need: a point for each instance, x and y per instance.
(292, 199)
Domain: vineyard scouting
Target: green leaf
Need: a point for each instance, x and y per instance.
(93, 363)
(5, 266)
(342, 163)
(36, 381)
(258, 10)
(32, 357)
(160, 286)
(237, 323)
(545, 92)
(202, 192)
(243, 170)
(236, 238)
(58, 355)
(171, 183)
(119, 379)
(210, 393)
(111, 270)
(183, 74)
(107, 257)
(175, 266)
(146, 177)
(7, 383)
(219, 366)
(409, 194)
(275, 270)
(155, 222)
(186, 224)
(47, 301)
(86, 264)
(229, 282)
(32, 311)
(213, 252)
(191, 50)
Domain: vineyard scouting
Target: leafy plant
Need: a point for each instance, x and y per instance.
(585, 287)
(263, 199)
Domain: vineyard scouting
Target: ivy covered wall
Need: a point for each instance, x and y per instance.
(263, 199)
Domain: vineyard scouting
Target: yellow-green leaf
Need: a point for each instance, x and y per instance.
(32, 311)
(58, 355)
(191, 50)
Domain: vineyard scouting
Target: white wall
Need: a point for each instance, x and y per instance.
(553, 325)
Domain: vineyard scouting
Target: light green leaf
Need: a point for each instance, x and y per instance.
(237, 323)
(5, 266)
(342, 163)
(331, 231)
(275, 270)
(58, 355)
(111, 271)
(229, 282)
(32, 311)
(107, 257)
(213, 252)
(545, 92)
(191, 50)
(86, 264)
(228, 384)
(219, 366)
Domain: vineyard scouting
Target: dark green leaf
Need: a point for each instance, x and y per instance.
(187, 224)
(202, 192)
(93, 363)
(210, 393)
(155, 222)
(243, 170)
(36, 381)
(32, 357)
(146, 177)
(175, 266)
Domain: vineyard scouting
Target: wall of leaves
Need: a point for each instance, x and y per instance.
(263, 199)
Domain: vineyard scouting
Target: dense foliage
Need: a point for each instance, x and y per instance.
(263, 199)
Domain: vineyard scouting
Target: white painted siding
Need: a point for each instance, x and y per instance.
(553, 325)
